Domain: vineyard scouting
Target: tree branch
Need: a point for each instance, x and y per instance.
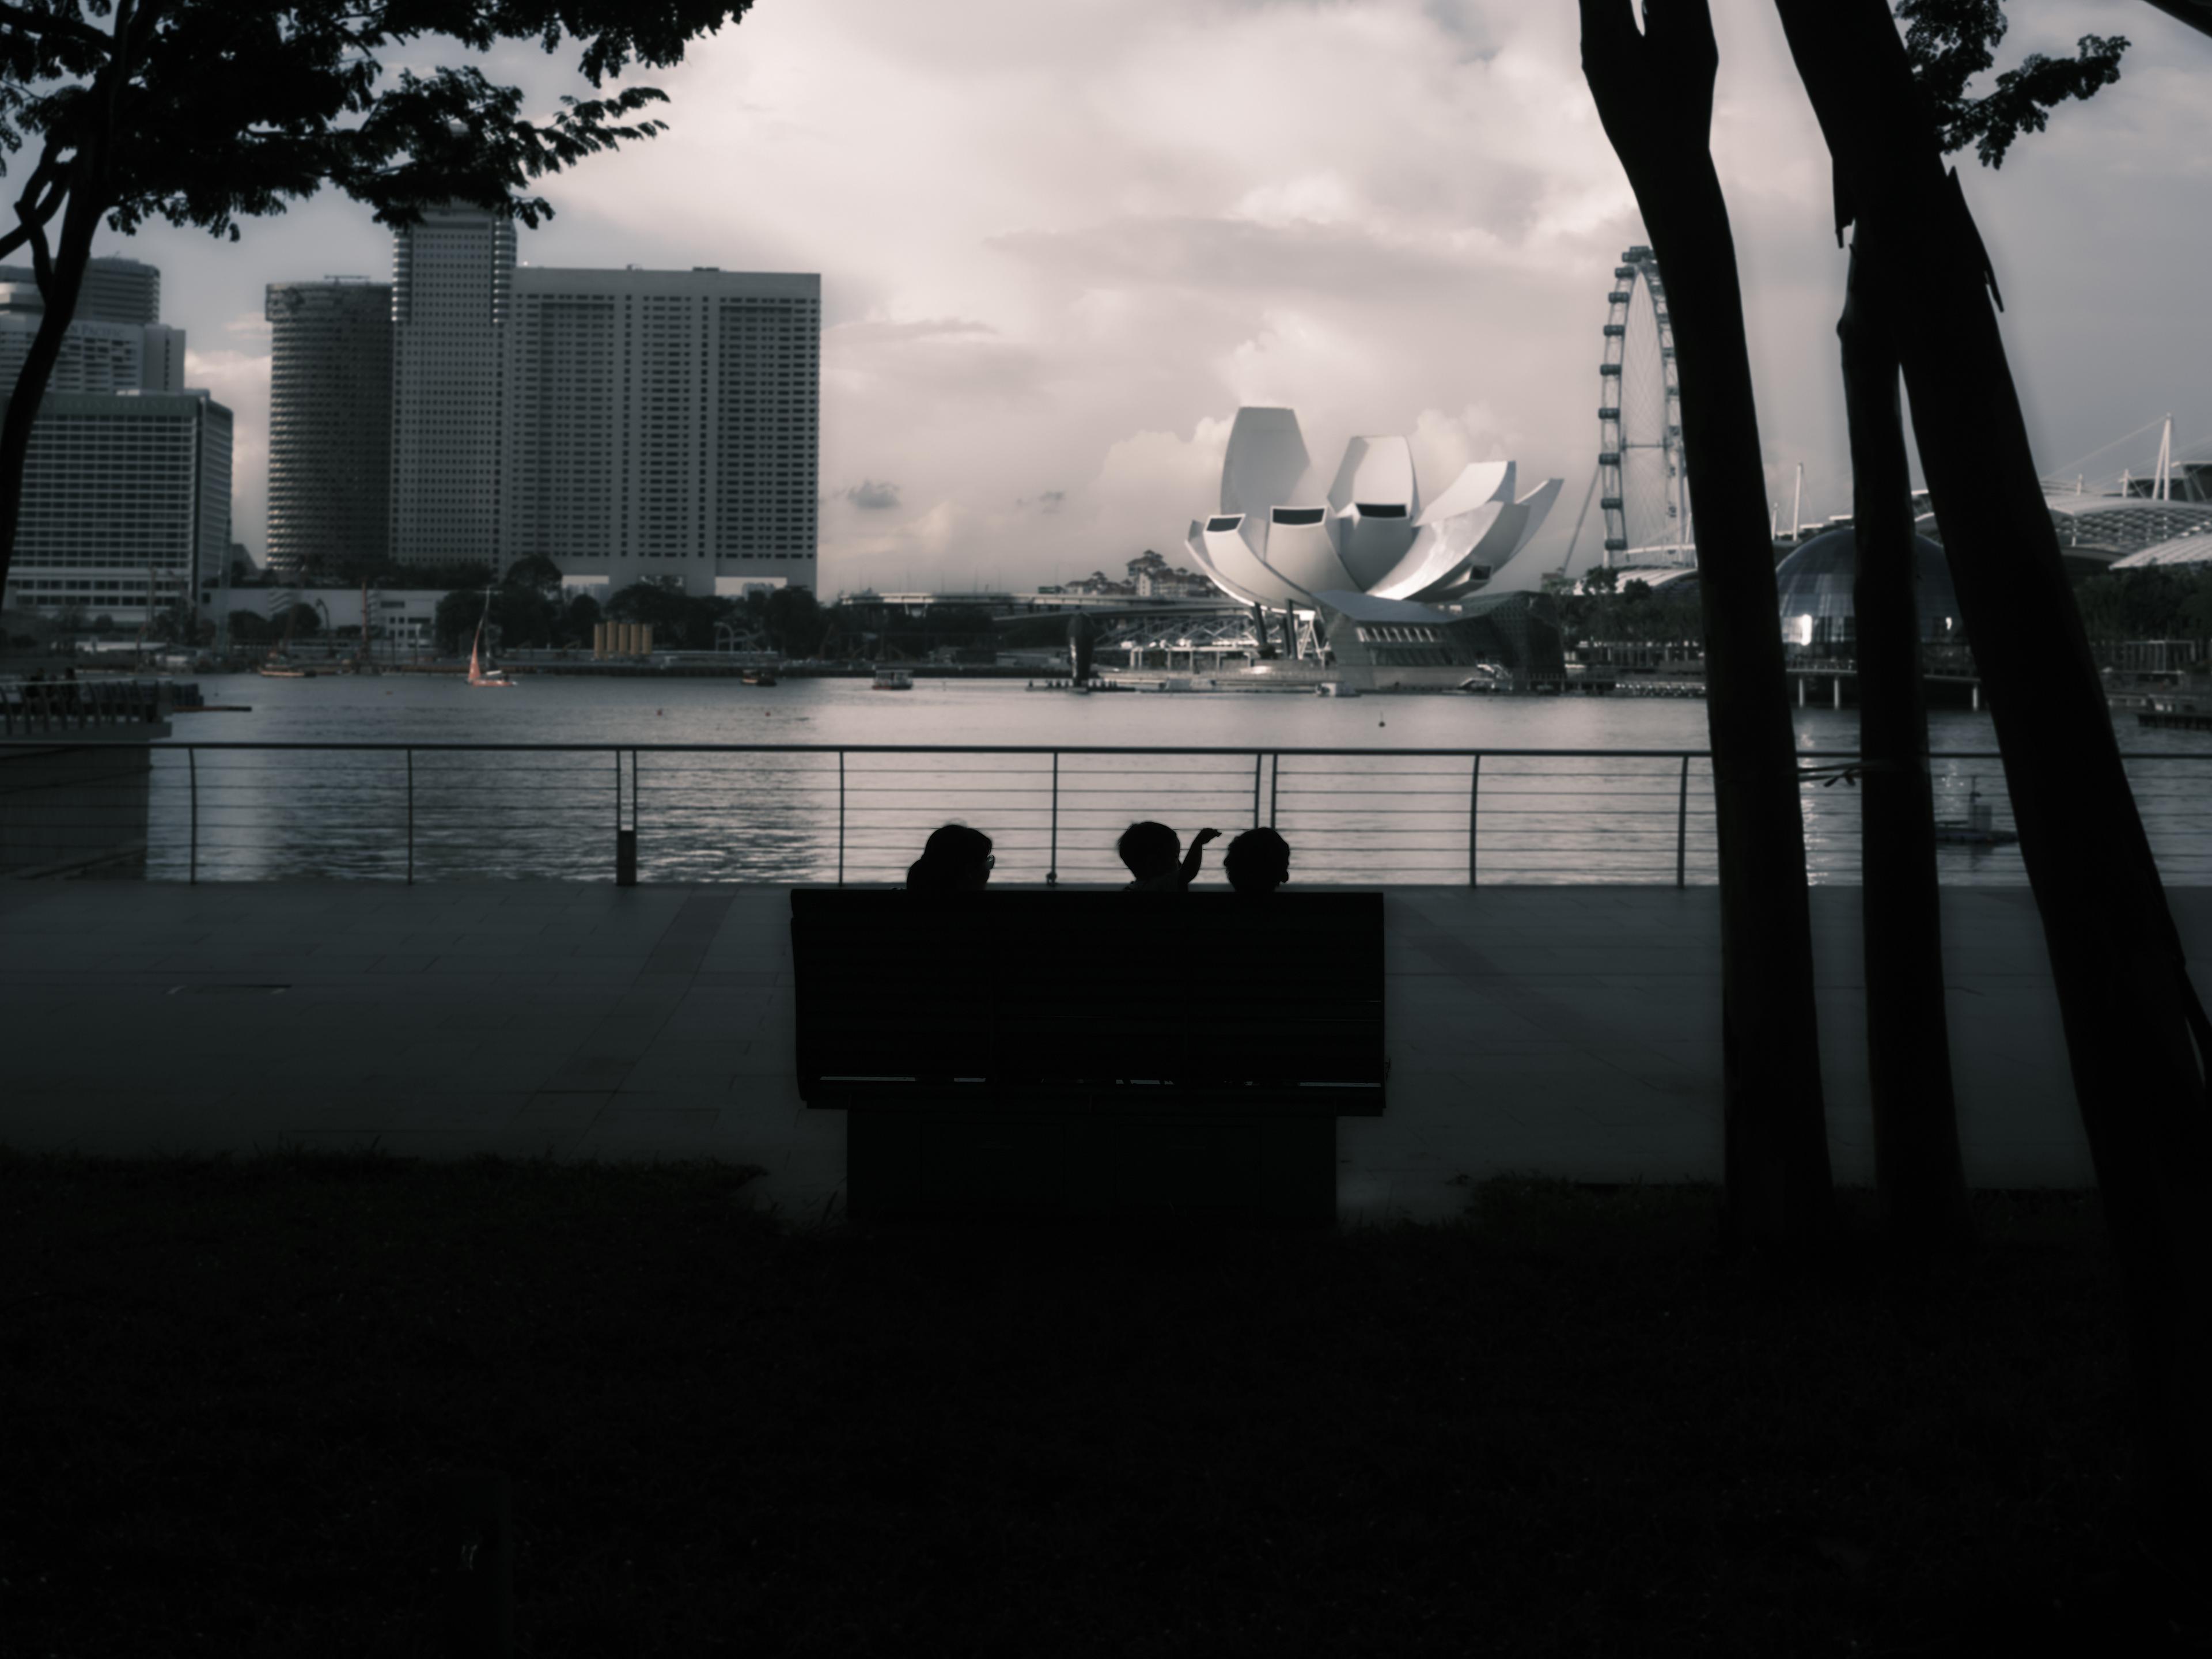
(46, 25)
(2198, 14)
(32, 215)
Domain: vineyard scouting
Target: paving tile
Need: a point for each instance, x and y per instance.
(1551, 1028)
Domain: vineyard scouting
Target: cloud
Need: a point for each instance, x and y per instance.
(1066, 241)
(872, 497)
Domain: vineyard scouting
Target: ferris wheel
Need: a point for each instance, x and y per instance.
(1642, 480)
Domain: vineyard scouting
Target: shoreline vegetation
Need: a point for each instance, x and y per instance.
(1565, 1423)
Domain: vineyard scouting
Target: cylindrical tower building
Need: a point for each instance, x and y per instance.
(330, 426)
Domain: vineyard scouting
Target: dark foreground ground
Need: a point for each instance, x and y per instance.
(1563, 1425)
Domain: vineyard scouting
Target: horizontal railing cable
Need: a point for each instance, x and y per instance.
(239, 809)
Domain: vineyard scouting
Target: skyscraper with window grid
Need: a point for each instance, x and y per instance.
(663, 424)
(330, 426)
(451, 276)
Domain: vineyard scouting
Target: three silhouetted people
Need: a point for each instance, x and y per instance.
(958, 860)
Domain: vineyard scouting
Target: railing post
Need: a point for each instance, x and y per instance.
(1257, 758)
(192, 768)
(411, 818)
(1474, 807)
(841, 818)
(1682, 825)
(625, 839)
(1052, 856)
(1274, 786)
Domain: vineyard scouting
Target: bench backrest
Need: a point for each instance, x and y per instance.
(1014, 987)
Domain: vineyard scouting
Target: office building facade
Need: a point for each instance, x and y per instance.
(120, 291)
(664, 424)
(114, 342)
(330, 425)
(451, 278)
(126, 503)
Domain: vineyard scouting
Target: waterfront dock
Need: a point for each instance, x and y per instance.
(1571, 1031)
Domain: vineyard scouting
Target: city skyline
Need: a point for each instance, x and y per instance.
(1057, 254)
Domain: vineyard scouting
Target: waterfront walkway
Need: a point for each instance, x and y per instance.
(1571, 1031)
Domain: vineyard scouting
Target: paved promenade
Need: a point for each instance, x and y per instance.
(1564, 1030)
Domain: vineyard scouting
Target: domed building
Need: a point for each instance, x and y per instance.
(1813, 586)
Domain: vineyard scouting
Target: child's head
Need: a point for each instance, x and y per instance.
(1257, 862)
(1150, 850)
(955, 859)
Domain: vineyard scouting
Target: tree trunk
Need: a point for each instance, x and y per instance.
(2136, 1035)
(64, 278)
(1917, 1171)
(1654, 94)
(60, 281)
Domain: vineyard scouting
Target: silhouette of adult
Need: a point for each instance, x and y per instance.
(954, 859)
(1152, 852)
(1257, 862)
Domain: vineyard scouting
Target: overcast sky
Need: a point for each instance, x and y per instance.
(1059, 245)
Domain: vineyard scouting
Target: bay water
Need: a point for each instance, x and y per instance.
(789, 807)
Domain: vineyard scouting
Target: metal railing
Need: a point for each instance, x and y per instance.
(859, 812)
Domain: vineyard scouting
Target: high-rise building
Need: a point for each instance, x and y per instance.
(451, 278)
(101, 351)
(126, 503)
(163, 362)
(663, 423)
(330, 425)
(119, 291)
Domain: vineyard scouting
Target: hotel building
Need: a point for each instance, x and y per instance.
(126, 503)
(663, 424)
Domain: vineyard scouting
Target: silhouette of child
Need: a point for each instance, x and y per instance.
(954, 859)
(1151, 850)
(1257, 862)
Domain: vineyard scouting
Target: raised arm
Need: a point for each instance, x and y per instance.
(1196, 856)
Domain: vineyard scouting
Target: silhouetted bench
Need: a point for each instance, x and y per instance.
(1090, 1052)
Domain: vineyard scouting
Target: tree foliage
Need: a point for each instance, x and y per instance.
(1637, 611)
(204, 111)
(1952, 41)
(521, 616)
(537, 572)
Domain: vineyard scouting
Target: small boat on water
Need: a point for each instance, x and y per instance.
(1978, 830)
(756, 677)
(478, 674)
(1335, 689)
(278, 670)
(893, 679)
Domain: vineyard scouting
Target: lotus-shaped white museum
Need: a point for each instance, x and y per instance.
(1280, 543)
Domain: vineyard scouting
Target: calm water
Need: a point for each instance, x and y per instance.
(1373, 815)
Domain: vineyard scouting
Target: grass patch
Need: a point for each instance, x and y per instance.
(1564, 1424)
